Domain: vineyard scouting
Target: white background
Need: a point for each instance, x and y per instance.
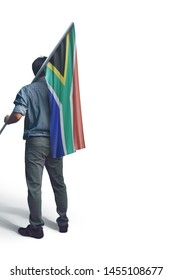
(120, 186)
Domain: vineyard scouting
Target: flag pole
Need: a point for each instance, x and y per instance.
(2, 128)
(44, 64)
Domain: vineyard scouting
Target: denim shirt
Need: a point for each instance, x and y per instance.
(32, 101)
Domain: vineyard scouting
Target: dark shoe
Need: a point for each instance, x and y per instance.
(31, 232)
(63, 229)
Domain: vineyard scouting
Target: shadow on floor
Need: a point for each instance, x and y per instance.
(5, 223)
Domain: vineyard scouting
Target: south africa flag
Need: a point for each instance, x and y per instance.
(66, 128)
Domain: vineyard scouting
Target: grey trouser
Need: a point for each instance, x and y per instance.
(37, 155)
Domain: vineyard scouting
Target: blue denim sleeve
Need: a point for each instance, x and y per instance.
(21, 102)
